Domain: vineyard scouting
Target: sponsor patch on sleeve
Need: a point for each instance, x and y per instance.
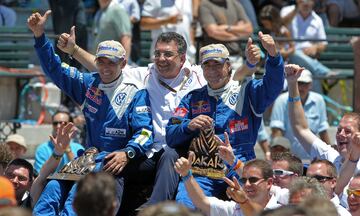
(238, 125)
(143, 137)
(180, 112)
(143, 109)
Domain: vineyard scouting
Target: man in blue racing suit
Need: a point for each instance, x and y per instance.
(117, 113)
(228, 106)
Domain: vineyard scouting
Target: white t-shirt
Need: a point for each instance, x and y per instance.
(340, 209)
(230, 208)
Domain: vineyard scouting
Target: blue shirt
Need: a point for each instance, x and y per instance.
(46, 149)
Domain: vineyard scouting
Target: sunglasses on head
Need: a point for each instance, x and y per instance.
(252, 180)
(321, 178)
(355, 192)
(282, 173)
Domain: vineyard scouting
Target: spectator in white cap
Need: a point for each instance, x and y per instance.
(315, 112)
(17, 145)
(279, 144)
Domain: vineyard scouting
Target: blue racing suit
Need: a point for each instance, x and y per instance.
(236, 109)
(118, 118)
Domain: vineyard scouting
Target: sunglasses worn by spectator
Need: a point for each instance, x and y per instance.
(282, 173)
(55, 123)
(321, 178)
(355, 192)
(252, 180)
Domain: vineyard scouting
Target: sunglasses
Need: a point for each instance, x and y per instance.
(282, 173)
(252, 180)
(355, 192)
(321, 178)
(55, 123)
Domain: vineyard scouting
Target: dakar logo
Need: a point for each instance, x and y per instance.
(120, 98)
(233, 98)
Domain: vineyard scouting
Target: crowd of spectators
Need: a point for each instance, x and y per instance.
(144, 120)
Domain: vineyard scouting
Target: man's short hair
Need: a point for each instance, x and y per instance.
(319, 206)
(167, 37)
(263, 165)
(23, 163)
(305, 182)
(168, 208)
(331, 169)
(62, 110)
(285, 210)
(295, 164)
(355, 116)
(95, 195)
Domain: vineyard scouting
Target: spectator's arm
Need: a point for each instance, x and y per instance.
(61, 143)
(151, 23)
(296, 112)
(220, 32)
(286, 20)
(196, 194)
(125, 40)
(241, 29)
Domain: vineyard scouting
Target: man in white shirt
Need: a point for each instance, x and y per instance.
(346, 159)
(325, 172)
(249, 197)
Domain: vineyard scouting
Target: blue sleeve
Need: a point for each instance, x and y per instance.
(41, 156)
(140, 120)
(262, 93)
(177, 132)
(67, 78)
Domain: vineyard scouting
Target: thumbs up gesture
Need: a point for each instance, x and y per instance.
(252, 52)
(36, 22)
(183, 165)
(268, 43)
(66, 42)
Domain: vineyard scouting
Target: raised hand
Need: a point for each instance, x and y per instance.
(63, 136)
(66, 42)
(268, 43)
(235, 191)
(183, 165)
(225, 150)
(200, 122)
(293, 72)
(36, 22)
(252, 52)
(355, 146)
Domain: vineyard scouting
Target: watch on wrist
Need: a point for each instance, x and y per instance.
(130, 153)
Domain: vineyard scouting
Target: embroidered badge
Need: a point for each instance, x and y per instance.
(200, 107)
(94, 94)
(239, 125)
(181, 112)
(233, 98)
(120, 98)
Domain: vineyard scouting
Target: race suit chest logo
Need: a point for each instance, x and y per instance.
(94, 94)
(233, 98)
(115, 132)
(120, 98)
(143, 109)
(91, 108)
(239, 125)
(180, 112)
(200, 107)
